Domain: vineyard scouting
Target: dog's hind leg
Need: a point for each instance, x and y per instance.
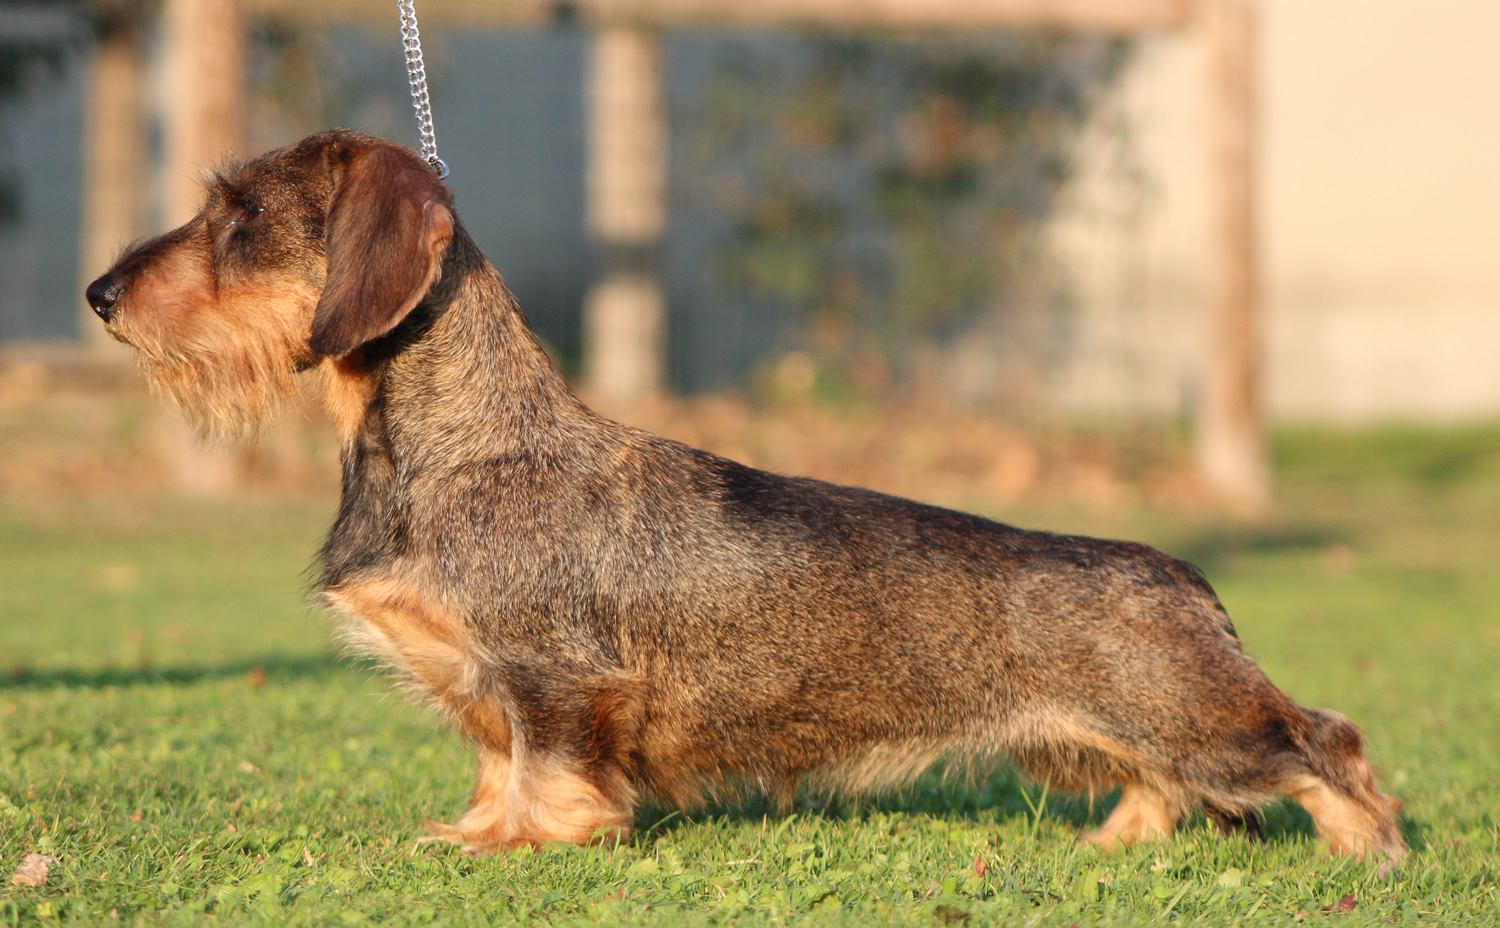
(1271, 747)
(1339, 790)
(1144, 813)
(1059, 750)
(1268, 747)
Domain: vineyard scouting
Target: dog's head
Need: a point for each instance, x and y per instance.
(307, 252)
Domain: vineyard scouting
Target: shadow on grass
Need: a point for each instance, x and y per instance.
(259, 670)
(1005, 795)
(1415, 831)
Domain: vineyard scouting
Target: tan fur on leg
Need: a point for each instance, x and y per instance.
(514, 802)
(514, 806)
(401, 626)
(483, 826)
(1142, 815)
(1348, 826)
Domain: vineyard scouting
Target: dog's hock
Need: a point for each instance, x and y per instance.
(389, 222)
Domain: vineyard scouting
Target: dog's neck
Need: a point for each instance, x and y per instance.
(477, 378)
(463, 388)
(464, 378)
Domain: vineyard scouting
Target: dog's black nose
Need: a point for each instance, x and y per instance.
(103, 293)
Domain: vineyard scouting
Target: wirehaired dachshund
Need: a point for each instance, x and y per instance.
(607, 614)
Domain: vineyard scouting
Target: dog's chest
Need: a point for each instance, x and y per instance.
(395, 622)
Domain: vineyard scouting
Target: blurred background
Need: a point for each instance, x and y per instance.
(1216, 275)
(1097, 249)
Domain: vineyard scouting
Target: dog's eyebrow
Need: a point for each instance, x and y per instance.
(232, 181)
(217, 189)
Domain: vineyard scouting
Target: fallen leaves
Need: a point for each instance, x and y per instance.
(33, 871)
(1342, 906)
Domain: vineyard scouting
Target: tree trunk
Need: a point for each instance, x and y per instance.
(625, 313)
(114, 162)
(1231, 431)
(205, 106)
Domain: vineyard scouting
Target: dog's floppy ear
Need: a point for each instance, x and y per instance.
(389, 221)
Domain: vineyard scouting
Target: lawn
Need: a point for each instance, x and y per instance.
(177, 728)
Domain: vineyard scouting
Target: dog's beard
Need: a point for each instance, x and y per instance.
(231, 373)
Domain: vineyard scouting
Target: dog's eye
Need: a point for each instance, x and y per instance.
(238, 226)
(247, 213)
(239, 220)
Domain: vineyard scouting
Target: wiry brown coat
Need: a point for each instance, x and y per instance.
(606, 613)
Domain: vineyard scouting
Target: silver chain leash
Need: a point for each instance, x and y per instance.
(411, 40)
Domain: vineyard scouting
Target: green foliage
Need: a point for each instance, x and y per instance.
(176, 729)
(900, 179)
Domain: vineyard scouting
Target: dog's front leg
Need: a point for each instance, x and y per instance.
(562, 773)
(554, 740)
(485, 826)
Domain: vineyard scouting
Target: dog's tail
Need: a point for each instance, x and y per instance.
(1338, 789)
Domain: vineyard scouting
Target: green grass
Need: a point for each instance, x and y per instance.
(176, 727)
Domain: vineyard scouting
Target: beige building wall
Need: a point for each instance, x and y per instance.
(1379, 207)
